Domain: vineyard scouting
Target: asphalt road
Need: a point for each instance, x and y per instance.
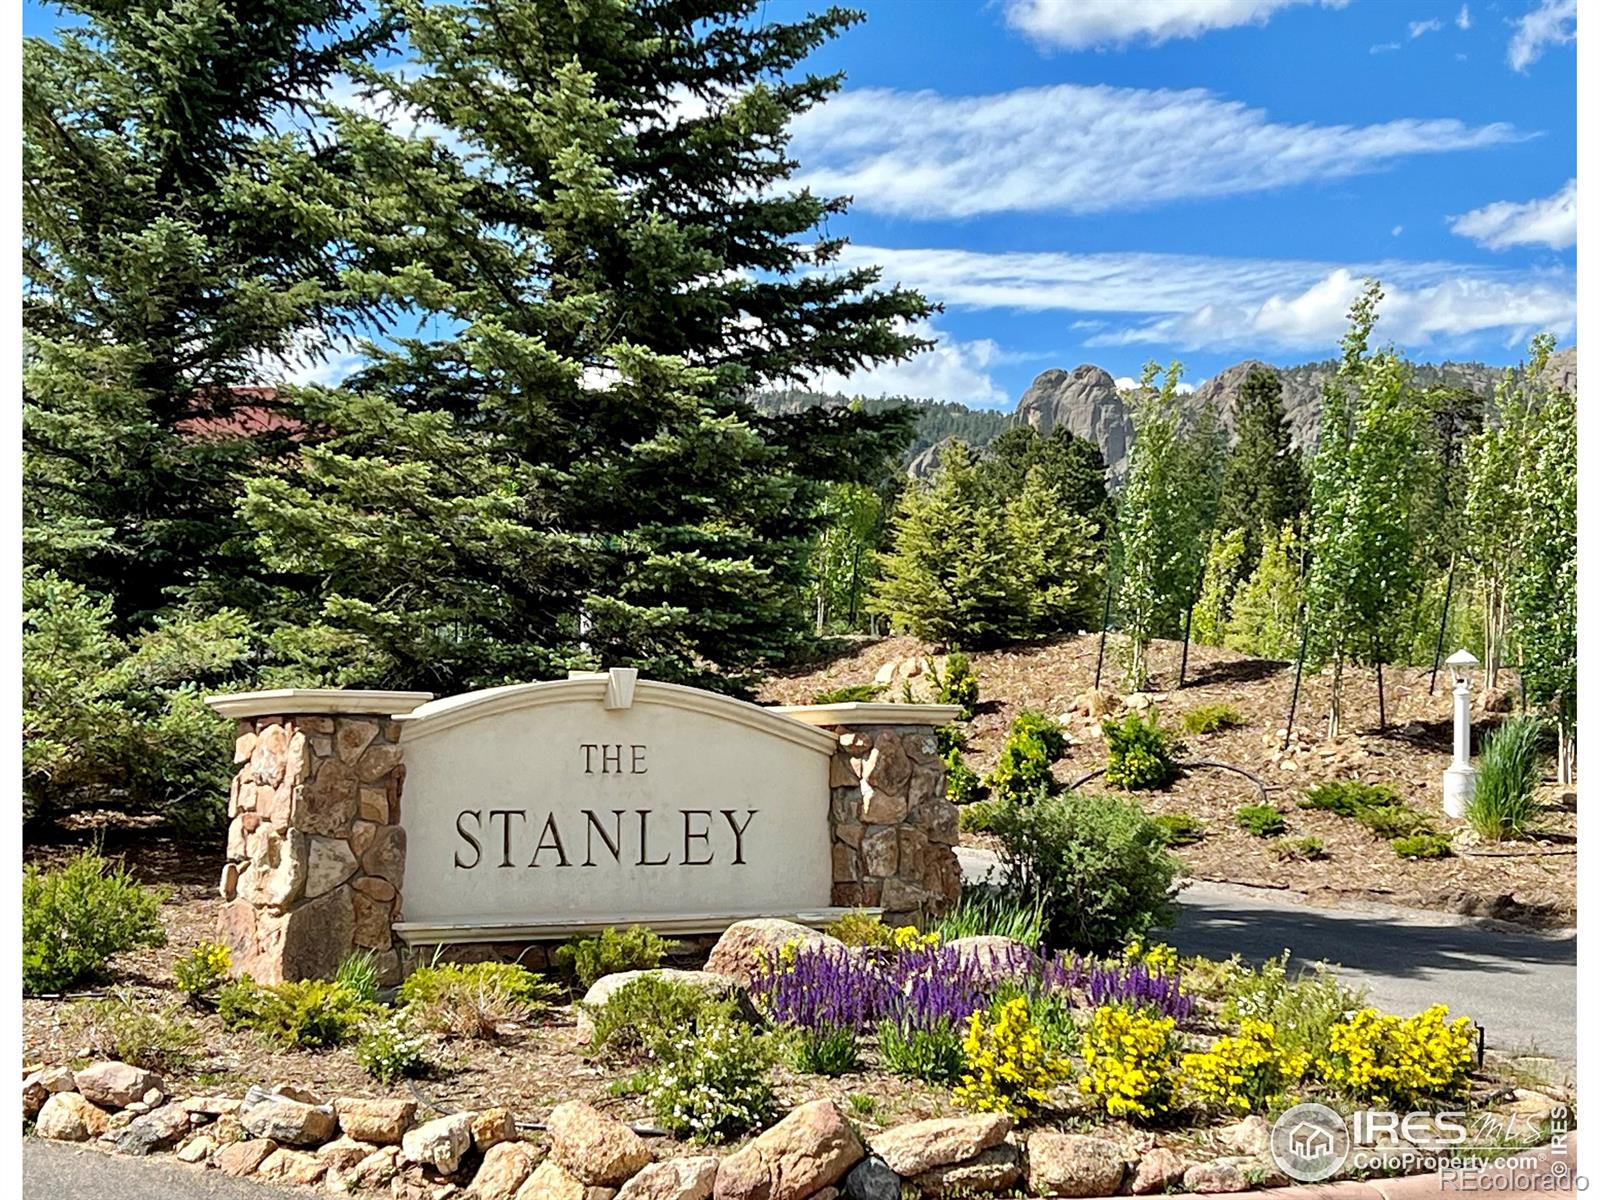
(1520, 985)
(61, 1171)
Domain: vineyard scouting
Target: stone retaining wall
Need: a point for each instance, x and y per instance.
(316, 855)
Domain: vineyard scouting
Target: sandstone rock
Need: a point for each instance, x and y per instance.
(371, 925)
(330, 800)
(196, 1149)
(68, 1117)
(311, 941)
(994, 956)
(871, 1179)
(56, 1079)
(505, 1168)
(880, 851)
(377, 762)
(676, 1179)
(242, 1158)
(210, 1106)
(386, 857)
(1160, 1170)
(269, 755)
(329, 862)
(1072, 1164)
(922, 1145)
(735, 952)
(376, 1169)
(352, 737)
(996, 1169)
(115, 1084)
(289, 1122)
(277, 872)
(808, 1150)
(281, 1090)
(1094, 703)
(374, 888)
(440, 1143)
(154, 1130)
(343, 1153)
(1251, 1136)
(596, 1149)
(298, 1167)
(1222, 1175)
(550, 1182)
(493, 1126)
(243, 746)
(34, 1094)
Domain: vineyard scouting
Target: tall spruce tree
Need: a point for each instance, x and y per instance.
(1264, 481)
(1071, 465)
(174, 239)
(565, 471)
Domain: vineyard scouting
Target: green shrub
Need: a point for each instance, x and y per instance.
(1022, 771)
(473, 1000)
(932, 1054)
(651, 1011)
(990, 911)
(1262, 820)
(1427, 844)
(1349, 797)
(830, 1052)
(390, 1049)
(1302, 1010)
(1179, 829)
(980, 816)
(859, 928)
(1050, 1010)
(1502, 804)
(132, 1031)
(637, 948)
(956, 684)
(712, 1084)
(1394, 821)
(202, 970)
(1300, 849)
(1096, 865)
(850, 693)
(358, 973)
(306, 1013)
(1139, 753)
(74, 919)
(962, 785)
(1212, 718)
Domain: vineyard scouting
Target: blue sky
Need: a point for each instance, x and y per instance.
(1111, 181)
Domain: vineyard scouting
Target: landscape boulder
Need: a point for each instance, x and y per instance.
(242, 1158)
(383, 1122)
(1159, 1170)
(871, 1179)
(1220, 1175)
(376, 1169)
(997, 1169)
(289, 1122)
(676, 1179)
(550, 1181)
(810, 1149)
(441, 1143)
(115, 1084)
(343, 1153)
(601, 991)
(298, 1167)
(596, 1149)
(923, 1145)
(1073, 1164)
(155, 1130)
(736, 951)
(992, 956)
(504, 1169)
(491, 1127)
(1251, 1136)
(69, 1117)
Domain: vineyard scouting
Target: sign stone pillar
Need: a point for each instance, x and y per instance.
(316, 854)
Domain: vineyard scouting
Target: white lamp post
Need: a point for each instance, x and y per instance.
(1459, 777)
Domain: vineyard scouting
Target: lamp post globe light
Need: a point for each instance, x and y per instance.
(1459, 777)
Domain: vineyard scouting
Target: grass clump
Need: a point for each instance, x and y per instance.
(1300, 849)
(75, 918)
(474, 1000)
(1502, 804)
(646, 1013)
(121, 1028)
(1427, 844)
(1140, 754)
(1212, 718)
(992, 911)
(1261, 820)
(637, 948)
(310, 1014)
(931, 1053)
(830, 1052)
(358, 973)
(1350, 797)
(1381, 810)
(1179, 829)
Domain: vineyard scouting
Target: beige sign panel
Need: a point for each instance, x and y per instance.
(548, 807)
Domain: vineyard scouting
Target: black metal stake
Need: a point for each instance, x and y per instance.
(1105, 621)
(1183, 664)
(1299, 661)
(1383, 722)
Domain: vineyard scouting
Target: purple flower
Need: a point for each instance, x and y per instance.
(1131, 984)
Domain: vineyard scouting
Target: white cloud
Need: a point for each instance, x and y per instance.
(1464, 18)
(1418, 28)
(1076, 148)
(1200, 302)
(1549, 221)
(951, 370)
(1383, 48)
(1397, 231)
(1552, 23)
(1081, 24)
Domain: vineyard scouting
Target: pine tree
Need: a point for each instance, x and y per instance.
(1264, 482)
(1055, 556)
(949, 575)
(1071, 465)
(173, 241)
(566, 472)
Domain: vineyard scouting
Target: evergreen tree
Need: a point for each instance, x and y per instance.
(1055, 556)
(1265, 614)
(1264, 482)
(1071, 465)
(569, 472)
(173, 241)
(949, 574)
(1367, 475)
